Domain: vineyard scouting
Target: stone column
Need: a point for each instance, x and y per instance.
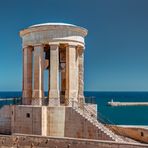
(38, 92)
(54, 99)
(71, 84)
(81, 98)
(27, 75)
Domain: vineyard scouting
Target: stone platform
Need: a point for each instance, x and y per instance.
(59, 121)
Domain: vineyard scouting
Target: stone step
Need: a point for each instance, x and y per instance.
(99, 126)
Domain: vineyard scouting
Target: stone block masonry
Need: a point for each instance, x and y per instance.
(32, 141)
(59, 121)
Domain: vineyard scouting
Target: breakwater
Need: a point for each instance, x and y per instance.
(128, 103)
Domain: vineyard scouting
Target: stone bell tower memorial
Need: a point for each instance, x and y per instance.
(59, 49)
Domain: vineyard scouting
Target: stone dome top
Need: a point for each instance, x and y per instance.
(53, 24)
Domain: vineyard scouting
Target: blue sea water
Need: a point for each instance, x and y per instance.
(123, 115)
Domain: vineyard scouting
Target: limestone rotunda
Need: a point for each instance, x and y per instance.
(58, 48)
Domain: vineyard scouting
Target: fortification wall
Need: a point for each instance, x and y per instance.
(5, 119)
(137, 133)
(28, 141)
(50, 121)
(27, 120)
(78, 127)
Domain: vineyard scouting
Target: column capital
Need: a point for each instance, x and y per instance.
(40, 45)
(54, 44)
(28, 48)
(80, 50)
(71, 46)
(79, 47)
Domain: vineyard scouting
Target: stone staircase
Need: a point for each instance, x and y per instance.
(85, 113)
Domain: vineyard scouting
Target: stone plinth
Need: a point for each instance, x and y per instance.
(53, 121)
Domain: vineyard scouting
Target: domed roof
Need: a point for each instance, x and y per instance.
(52, 24)
(56, 24)
(54, 31)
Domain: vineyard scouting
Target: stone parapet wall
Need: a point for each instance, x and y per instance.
(137, 133)
(5, 119)
(31, 141)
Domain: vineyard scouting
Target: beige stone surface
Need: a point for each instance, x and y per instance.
(78, 127)
(53, 32)
(27, 120)
(81, 98)
(5, 119)
(137, 133)
(53, 45)
(71, 74)
(30, 141)
(27, 75)
(48, 121)
(38, 90)
(54, 75)
(56, 121)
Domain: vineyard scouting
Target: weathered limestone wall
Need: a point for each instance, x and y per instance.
(49, 121)
(78, 127)
(27, 141)
(5, 120)
(137, 133)
(28, 120)
(55, 121)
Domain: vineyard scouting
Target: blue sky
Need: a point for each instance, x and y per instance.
(116, 55)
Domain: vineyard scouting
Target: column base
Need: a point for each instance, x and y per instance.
(81, 100)
(71, 98)
(54, 98)
(54, 102)
(53, 94)
(36, 101)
